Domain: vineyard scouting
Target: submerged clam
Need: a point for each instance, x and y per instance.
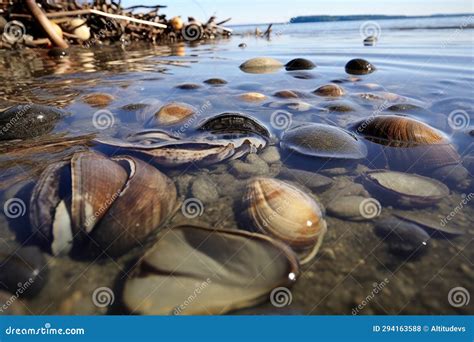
(323, 141)
(171, 151)
(359, 66)
(299, 64)
(171, 113)
(329, 90)
(85, 203)
(234, 122)
(28, 121)
(283, 211)
(227, 269)
(23, 271)
(410, 145)
(252, 97)
(404, 189)
(98, 99)
(261, 65)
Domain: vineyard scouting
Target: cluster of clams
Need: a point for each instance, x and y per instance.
(116, 197)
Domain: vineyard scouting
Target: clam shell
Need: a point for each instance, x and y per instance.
(408, 144)
(404, 189)
(96, 183)
(261, 65)
(172, 113)
(150, 193)
(174, 153)
(45, 198)
(323, 141)
(330, 90)
(222, 270)
(234, 122)
(285, 212)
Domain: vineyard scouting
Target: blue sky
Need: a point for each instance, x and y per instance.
(263, 11)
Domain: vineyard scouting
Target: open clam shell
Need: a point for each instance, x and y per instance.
(171, 151)
(283, 211)
(404, 189)
(88, 201)
(221, 270)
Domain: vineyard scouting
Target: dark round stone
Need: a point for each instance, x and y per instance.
(58, 52)
(23, 271)
(299, 64)
(215, 81)
(188, 86)
(403, 238)
(359, 66)
(27, 121)
(403, 107)
(242, 45)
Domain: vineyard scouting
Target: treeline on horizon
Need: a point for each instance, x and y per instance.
(323, 18)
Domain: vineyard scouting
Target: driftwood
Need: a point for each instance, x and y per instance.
(106, 21)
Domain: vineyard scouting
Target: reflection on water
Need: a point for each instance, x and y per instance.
(432, 84)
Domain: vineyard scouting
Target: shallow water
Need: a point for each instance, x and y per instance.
(427, 67)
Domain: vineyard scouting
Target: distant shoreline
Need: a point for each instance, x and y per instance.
(333, 18)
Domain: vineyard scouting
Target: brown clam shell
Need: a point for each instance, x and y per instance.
(284, 212)
(399, 131)
(172, 113)
(96, 183)
(409, 145)
(150, 194)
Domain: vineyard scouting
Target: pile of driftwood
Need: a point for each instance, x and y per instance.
(61, 23)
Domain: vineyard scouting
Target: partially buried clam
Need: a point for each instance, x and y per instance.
(28, 121)
(359, 66)
(406, 144)
(107, 205)
(285, 212)
(227, 269)
(323, 141)
(404, 189)
(171, 113)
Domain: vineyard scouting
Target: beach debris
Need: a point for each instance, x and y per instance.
(98, 22)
